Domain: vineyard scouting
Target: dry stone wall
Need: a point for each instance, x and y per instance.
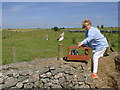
(62, 75)
(47, 73)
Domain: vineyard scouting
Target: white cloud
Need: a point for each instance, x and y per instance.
(17, 8)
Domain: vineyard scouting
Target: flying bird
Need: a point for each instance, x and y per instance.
(61, 37)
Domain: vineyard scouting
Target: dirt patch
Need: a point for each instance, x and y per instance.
(108, 71)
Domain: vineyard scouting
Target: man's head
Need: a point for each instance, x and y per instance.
(86, 24)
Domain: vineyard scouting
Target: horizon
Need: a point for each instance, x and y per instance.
(55, 26)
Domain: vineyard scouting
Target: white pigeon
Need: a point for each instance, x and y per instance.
(61, 37)
(46, 37)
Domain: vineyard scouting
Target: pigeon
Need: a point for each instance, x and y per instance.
(61, 37)
(46, 37)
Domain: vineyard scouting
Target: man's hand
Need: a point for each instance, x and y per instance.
(79, 44)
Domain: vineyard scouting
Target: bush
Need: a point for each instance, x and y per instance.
(56, 29)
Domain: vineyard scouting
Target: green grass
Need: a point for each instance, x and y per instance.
(31, 44)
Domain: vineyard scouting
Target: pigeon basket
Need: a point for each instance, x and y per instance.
(74, 53)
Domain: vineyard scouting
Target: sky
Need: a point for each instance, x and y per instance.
(60, 14)
(60, 0)
(0, 15)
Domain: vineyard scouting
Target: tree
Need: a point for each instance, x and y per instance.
(102, 26)
(56, 29)
(9, 29)
(97, 26)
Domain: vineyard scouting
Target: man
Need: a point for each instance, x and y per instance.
(96, 41)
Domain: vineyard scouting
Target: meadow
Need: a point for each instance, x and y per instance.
(30, 44)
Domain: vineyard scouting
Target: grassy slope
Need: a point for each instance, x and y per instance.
(32, 44)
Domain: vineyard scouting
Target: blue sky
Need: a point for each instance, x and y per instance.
(61, 14)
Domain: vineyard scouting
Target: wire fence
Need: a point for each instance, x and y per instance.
(13, 54)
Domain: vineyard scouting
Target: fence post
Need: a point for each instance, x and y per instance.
(60, 52)
(109, 48)
(14, 54)
(74, 39)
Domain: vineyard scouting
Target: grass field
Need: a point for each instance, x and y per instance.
(30, 44)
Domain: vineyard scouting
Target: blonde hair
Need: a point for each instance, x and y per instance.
(86, 22)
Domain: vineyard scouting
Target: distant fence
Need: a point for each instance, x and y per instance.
(103, 31)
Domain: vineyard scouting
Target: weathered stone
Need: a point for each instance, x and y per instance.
(68, 77)
(25, 81)
(11, 73)
(52, 77)
(38, 84)
(43, 75)
(10, 81)
(30, 72)
(5, 77)
(55, 81)
(19, 85)
(61, 80)
(81, 77)
(74, 81)
(58, 75)
(75, 76)
(21, 78)
(41, 71)
(23, 72)
(48, 74)
(46, 69)
(71, 72)
(1, 80)
(65, 84)
(68, 71)
(28, 85)
(1, 86)
(77, 86)
(52, 68)
(108, 87)
(15, 74)
(59, 69)
(1, 75)
(45, 80)
(13, 87)
(34, 77)
(81, 83)
(48, 84)
(70, 85)
(84, 86)
(56, 86)
(54, 72)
